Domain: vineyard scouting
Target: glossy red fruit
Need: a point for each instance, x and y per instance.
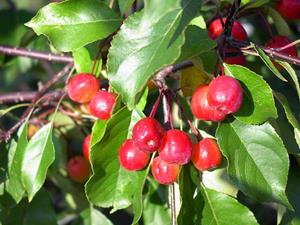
(176, 147)
(201, 109)
(131, 157)
(164, 173)
(280, 41)
(147, 134)
(206, 154)
(82, 87)
(102, 104)
(86, 147)
(215, 29)
(78, 169)
(225, 94)
(289, 9)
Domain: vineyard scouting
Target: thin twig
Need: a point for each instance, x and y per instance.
(159, 77)
(14, 51)
(288, 45)
(16, 97)
(184, 113)
(172, 203)
(6, 135)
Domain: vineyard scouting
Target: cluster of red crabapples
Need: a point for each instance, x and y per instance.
(85, 89)
(289, 9)
(174, 148)
(213, 102)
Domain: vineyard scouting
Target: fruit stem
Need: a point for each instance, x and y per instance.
(9, 50)
(182, 110)
(169, 113)
(287, 46)
(166, 110)
(155, 106)
(172, 203)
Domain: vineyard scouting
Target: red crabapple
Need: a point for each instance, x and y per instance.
(86, 147)
(176, 147)
(164, 173)
(280, 41)
(225, 94)
(147, 134)
(289, 9)
(82, 87)
(215, 29)
(201, 109)
(131, 157)
(78, 169)
(102, 104)
(206, 154)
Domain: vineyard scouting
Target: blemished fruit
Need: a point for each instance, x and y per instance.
(131, 157)
(78, 169)
(238, 32)
(82, 87)
(164, 173)
(86, 147)
(147, 134)
(206, 154)
(280, 41)
(102, 104)
(289, 9)
(176, 147)
(225, 94)
(201, 109)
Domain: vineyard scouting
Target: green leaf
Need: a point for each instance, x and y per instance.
(293, 75)
(38, 212)
(147, 41)
(72, 24)
(38, 156)
(293, 193)
(258, 103)
(219, 180)
(268, 62)
(92, 216)
(98, 132)
(125, 5)
(254, 4)
(220, 209)
(7, 110)
(297, 136)
(187, 188)
(143, 100)
(289, 114)
(258, 162)
(83, 61)
(197, 41)
(279, 22)
(156, 210)
(16, 155)
(111, 185)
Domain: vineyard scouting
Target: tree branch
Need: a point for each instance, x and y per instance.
(6, 135)
(272, 52)
(159, 77)
(23, 52)
(16, 97)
